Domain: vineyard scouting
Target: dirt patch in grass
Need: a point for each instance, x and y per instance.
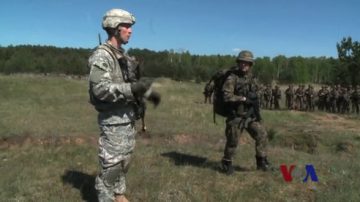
(300, 142)
(188, 138)
(345, 146)
(336, 122)
(16, 141)
(185, 138)
(27, 140)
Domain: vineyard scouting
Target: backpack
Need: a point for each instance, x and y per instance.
(225, 109)
(220, 107)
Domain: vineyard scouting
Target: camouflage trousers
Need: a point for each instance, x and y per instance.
(208, 97)
(289, 102)
(233, 133)
(116, 145)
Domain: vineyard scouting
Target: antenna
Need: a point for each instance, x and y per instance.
(99, 38)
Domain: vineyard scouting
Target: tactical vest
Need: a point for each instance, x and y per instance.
(242, 88)
(119, 75)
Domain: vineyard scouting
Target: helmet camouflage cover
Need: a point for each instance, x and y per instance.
(246, 56)
(114, 17)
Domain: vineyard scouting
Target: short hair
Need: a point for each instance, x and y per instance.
(110, 31)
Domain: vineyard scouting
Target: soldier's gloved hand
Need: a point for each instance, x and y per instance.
(141, 86)
(154, 97)
(240, 99)
(252, 95)
(248, 101)
(251, 99)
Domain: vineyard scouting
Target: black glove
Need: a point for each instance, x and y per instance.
(251, 99)
(155, 98)
(141, 86)
(252, 96)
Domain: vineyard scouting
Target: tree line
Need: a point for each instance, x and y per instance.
(181, 65)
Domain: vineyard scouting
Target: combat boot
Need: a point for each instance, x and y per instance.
(226, 167)
(121, 198)
(263, 164)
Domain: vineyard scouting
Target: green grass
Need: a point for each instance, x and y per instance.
(44, 106)
(48, 148)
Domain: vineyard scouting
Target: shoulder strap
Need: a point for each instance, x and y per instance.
(122, 67)
(107, 49)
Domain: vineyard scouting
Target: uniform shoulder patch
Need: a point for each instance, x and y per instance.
(102, 60)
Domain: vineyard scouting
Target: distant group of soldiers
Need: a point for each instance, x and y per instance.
(269, 98)
(333, 98)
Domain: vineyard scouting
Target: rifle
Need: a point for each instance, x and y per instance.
(99, 37)
(134, 74)
(131, 72)
(140, 108)
(252, 101)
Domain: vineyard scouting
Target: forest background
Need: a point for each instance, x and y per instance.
(184, 66)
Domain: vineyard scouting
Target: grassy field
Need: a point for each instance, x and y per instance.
(48, 148)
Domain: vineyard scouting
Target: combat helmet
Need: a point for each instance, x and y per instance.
(246, 56)
(114, 17)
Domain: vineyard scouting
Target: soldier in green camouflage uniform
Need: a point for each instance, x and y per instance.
(334, 96)
(276, 97)
(238, 91)
(260, 93)
(351, 90)
(310, 98)
(289, 97)
(323, 96)
(208, 91)
(113, 96)
(268, 97)
(356, 99)
(344, 100)
(299, 98)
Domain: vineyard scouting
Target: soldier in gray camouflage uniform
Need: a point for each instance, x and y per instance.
(113, 96)
(238, 91)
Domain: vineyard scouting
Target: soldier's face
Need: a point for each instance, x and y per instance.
(125, 31)
(244, 66)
